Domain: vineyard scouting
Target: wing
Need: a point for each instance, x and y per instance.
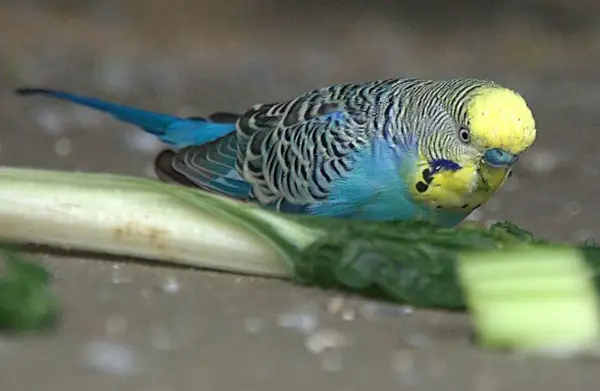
(210, 166)
(291, 152)
(286, 155)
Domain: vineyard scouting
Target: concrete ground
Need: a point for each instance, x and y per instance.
(129, 326)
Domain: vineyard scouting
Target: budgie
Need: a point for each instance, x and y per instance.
(394, 149)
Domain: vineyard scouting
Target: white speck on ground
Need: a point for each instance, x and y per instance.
(120, 276)
(50, 121)
(253, 325)
(139, 141)
(62, 147)
(322, 340)
(170, 285)
(572, 209)
(348, 314)
(301, 320)
(111, 358)
(375, 310)
(335, 305)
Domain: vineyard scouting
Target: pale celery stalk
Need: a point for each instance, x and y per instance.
(143, 218)
(537, 300)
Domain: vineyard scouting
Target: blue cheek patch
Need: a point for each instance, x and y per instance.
(438, 165)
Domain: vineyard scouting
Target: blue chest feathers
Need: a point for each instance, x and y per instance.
(377, 189)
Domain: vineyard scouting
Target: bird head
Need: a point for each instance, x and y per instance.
(476, 122)
(481, 128)
(499, 126)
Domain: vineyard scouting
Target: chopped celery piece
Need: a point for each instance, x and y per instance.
(532, 299)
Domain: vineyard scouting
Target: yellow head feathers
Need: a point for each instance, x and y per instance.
(500, 118)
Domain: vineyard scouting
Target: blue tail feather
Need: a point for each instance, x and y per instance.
(173, 130)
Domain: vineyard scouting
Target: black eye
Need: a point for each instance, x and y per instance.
(464, 134)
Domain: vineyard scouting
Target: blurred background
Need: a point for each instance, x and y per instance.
(192, 57)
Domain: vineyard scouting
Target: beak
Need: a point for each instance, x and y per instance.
(497, 157)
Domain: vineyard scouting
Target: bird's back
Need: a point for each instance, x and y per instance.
(289, 154)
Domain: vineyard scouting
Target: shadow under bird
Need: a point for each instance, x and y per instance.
(395, 149)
